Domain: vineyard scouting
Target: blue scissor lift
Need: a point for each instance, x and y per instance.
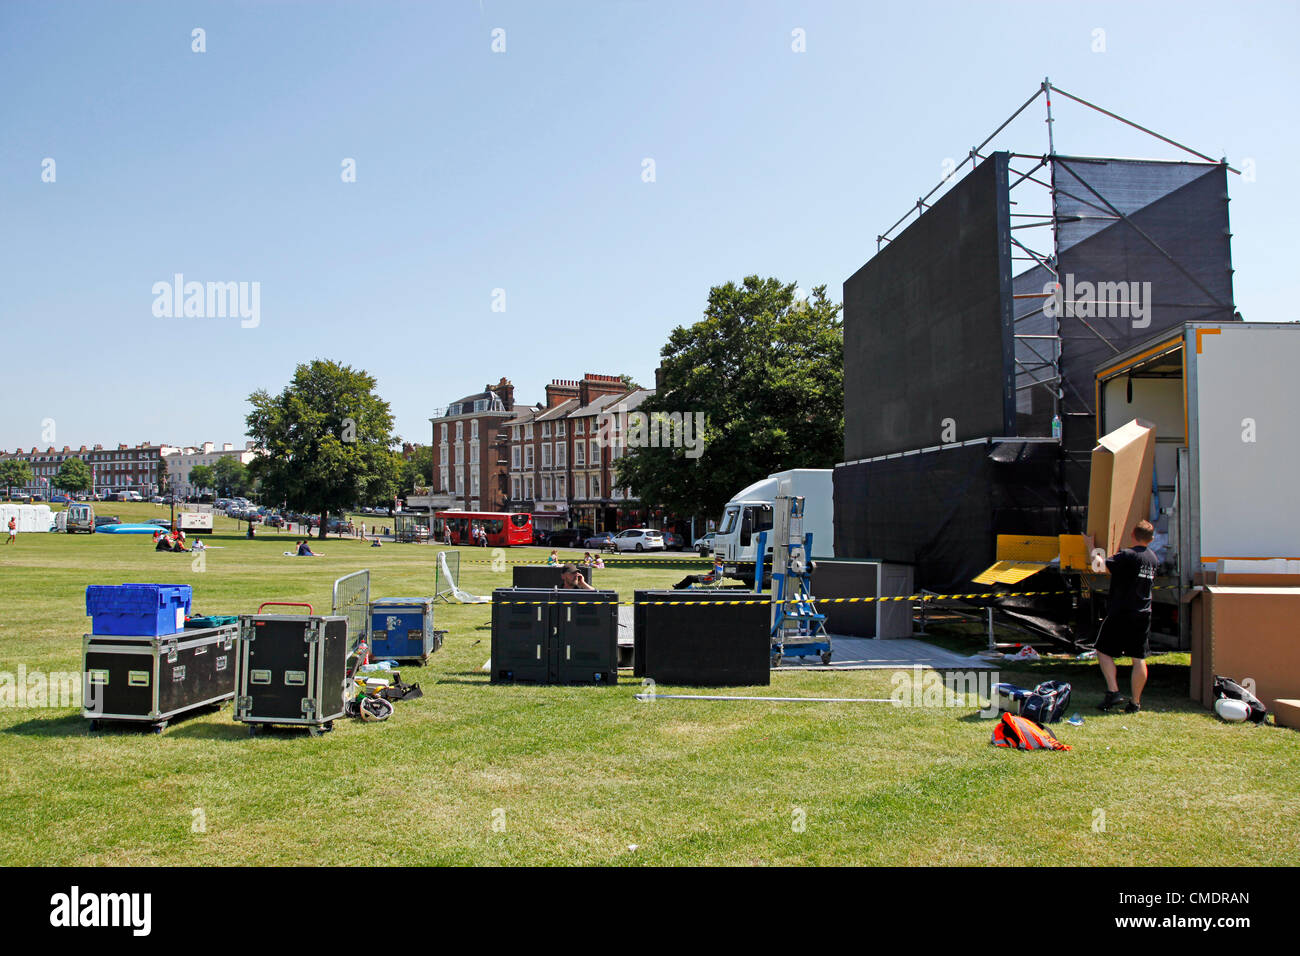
(797, 629)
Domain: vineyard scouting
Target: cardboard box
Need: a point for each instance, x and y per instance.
(1119, 493)
(1287, 713)
(1246, 633)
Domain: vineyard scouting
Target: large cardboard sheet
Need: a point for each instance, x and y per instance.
(1119, 493)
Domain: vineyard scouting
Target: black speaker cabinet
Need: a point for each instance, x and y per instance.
(704, 638)
(544, 575)
(554, 637)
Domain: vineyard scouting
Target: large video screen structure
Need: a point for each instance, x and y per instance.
(928, 326)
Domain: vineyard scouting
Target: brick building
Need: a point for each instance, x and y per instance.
(471, 451)
(559, 470)
(136, 468)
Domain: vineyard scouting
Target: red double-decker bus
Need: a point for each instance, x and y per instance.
(503, 528)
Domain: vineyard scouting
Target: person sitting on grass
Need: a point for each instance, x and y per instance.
(162, 542)
(305, 551)
(554, 558)
(586, 559)
(598, 562)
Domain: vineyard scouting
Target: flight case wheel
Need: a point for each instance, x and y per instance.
(826, 658)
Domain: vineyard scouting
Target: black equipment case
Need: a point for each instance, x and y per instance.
(703, 637)
(544, 575)
(292, 670)
(153, 679)
(554, 637)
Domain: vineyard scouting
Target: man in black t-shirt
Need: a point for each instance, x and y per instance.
(1126, 632)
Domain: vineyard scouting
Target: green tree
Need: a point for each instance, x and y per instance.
(230, 477)
(201, 478)
(14, 471)
(328, 440)
(767, 371)
(74, 475)
(417, 470)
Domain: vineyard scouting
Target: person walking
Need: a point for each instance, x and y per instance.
(1126, 631)
(13, 531)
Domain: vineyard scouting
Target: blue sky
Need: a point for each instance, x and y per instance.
(523, 171)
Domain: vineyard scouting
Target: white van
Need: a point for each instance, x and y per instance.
(751, 512)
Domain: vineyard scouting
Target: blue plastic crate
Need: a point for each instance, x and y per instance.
(138, 610)
(402, 629)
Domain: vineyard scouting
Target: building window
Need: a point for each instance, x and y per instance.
(528, 457)
(546, 487)
(514, 488)
(561, 454)
(514, 459)
(473, 429)
(560, 487)
(595, 492)
(473, 479)
(442, 454)
(528, 487)
(559, 428)
(460, 478)
(546, 456)
(460, 431)
(595, 452)
(528, 431)
(514, 432)
(546, 429)
(579, 455)
(579, 486)
(577, 426)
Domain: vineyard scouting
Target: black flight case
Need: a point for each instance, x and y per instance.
(150, 680)
(292, 670)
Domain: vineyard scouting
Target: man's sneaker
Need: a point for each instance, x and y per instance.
(1132, 707)
(1112, 698)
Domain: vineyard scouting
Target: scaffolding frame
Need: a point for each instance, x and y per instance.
(1037, 355)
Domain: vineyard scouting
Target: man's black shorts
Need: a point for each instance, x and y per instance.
(1125, 634)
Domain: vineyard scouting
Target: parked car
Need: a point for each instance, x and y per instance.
(600, 542)
(101, 520)
(639, 539)
(274, 521)
(674, 541)
(541, 536)
(704, 544)
(59, 499)
(569, 537)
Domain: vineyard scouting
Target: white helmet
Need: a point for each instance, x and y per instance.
(1231, 710)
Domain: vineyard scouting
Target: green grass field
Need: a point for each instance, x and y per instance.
(480, 774)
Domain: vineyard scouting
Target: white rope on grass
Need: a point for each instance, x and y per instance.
(775, 700)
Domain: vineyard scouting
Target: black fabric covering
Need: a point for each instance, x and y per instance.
(927, 326)
(943, 510)
(1123, 221)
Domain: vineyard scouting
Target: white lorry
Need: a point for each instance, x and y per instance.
(750, 512)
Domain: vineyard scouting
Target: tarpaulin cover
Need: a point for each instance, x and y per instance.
(942, 510)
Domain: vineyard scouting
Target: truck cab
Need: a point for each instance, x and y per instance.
(751, 513)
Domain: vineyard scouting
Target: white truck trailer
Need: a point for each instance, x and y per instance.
(750, 512)
(1222, 397)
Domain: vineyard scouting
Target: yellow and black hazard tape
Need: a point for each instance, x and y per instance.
(915, 598)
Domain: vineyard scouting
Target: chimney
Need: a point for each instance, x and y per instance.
(506, 391)
(226, 446)
(560, 391)
(207, 448)
(121, 447)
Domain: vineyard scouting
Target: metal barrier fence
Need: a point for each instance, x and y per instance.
(352, 600)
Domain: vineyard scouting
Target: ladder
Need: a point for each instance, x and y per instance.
(798, 630)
